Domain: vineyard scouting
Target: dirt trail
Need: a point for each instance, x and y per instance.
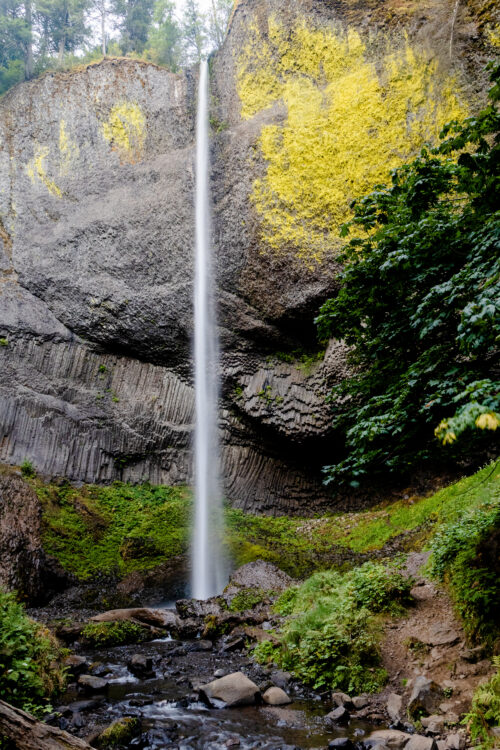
(429, 640)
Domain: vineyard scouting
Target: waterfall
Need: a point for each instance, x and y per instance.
(207, 577)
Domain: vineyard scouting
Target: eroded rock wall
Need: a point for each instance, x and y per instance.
(312, 102)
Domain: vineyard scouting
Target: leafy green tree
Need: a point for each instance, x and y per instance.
(193, 32)
(164, 44)
(135, 17)
(64, 23)
(16, 40)
(217, 21)
(419, 305)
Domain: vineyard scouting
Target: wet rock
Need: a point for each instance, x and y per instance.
(220, 673)
(91, 683)
(275, 696)
(339, 715)
(234, 690)
(99, 670)
(120, 732)
(391, 738)
(434, 724)
(281, 679)
(78, 721)
(76, 665)
(69, 632)
(418, 742)
(425, 697)
(342, 699)
(341, 743)
(141, 666)
(394, 706)
(234, 644)
(78, 706)
(360, 701)
(201, 645)
(198, 608)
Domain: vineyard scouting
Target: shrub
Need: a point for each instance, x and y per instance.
(419, 308)
(485, 711)
(114, 633)
(27, 468)
(331, 637)
(29, 674)
(465, 556)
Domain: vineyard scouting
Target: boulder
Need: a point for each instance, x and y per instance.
(425, 697)
(359, 702)
(141, 666)
(260, 575)
(76, 665)
(280, 678)
(119, 733)
(394, 706)
(434, 724)
(92, 684)
(234, 689)
(339, 715)
(341, 743)
(455, 741)
(391, 738)
(418, 742)
(342, 699)
(275, 696)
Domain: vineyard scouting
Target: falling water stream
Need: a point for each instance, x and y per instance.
(207, 578)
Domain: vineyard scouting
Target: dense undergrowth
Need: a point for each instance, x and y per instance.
(465, 554)
(485, 711)
(331, 636)
(29, 654)
(121, 528)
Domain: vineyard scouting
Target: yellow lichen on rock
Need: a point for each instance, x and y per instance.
(68, 149)
(350, 122)
(36, 170)
(125, 130)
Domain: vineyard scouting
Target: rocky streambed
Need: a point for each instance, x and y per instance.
(186, 679)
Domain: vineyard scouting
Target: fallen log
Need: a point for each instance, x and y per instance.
(27, 733)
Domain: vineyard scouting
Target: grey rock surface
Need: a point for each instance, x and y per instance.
(275, 696)
(24, 567)
(96, 272)
(234, 689)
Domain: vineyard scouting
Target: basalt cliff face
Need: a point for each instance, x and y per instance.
(313, 103)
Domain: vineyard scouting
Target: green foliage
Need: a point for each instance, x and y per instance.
(4, 342)
(116, 633)
(84, 528)
(465, 555)
(419, 305)
(331, 636)
(27, 468)
(120, 733)
(247, 598)
(485, 711)
(29, 674)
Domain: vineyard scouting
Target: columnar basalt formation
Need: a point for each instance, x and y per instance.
(96, 236)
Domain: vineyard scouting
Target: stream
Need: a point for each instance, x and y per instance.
(166, 701)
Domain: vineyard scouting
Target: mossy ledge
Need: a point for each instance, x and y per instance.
(123, 528)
